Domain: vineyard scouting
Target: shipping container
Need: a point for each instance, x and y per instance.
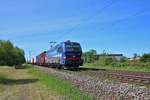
(40, 59)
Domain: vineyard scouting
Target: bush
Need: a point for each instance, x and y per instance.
(109, 60)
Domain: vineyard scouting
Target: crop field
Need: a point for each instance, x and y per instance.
(31, 84)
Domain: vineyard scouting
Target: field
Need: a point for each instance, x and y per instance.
(125, 68)
(32, 84)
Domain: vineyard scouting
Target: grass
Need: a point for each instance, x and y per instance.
(2, 76)
(41, 85)
(125, 68)
(59, 86)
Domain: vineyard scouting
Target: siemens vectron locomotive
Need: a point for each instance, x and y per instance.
(63, 55)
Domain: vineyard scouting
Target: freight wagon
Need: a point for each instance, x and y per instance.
(40, 59)
(63, 55)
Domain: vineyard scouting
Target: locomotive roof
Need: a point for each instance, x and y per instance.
(61, 43)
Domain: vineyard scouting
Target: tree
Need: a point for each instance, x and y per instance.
(145, 57)
(10, 55)
(89, 56)
(5, 52)
(135, 55)
(18, 54)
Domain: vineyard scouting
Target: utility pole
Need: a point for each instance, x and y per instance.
(29, 55)
(52, 43)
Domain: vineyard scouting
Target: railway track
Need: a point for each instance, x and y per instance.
(88, 81)
(125, 76)
(136, 77)
(132, 78)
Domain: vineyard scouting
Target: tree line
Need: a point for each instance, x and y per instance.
(104, 60)
(10, 55)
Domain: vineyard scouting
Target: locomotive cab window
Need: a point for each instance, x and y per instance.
(60, 50)
(73, 47)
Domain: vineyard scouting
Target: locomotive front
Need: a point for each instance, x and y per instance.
(73, 53)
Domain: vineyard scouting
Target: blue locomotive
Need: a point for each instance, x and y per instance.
(63, 55)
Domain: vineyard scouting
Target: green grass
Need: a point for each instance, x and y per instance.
(59, 86)
(125, 68)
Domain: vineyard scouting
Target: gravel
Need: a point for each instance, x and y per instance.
(103, 89)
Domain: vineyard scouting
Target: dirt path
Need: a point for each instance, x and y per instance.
(20, 85)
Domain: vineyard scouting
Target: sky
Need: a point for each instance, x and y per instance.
(123, 27)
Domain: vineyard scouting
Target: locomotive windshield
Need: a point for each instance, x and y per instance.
(70, 47)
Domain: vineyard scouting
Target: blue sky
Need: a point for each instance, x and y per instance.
(32, 24)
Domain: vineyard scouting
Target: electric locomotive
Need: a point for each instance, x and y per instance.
(64, 55)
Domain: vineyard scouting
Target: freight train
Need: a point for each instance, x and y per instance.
(63, 55)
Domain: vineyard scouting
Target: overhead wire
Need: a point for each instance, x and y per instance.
(111, 24)
(88, 18)
(126, 18)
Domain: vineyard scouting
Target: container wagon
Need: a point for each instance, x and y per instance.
(40, 59)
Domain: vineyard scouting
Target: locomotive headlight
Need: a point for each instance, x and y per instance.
(78, 54)
(64, 57)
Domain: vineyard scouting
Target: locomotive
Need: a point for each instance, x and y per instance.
(63, 55)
